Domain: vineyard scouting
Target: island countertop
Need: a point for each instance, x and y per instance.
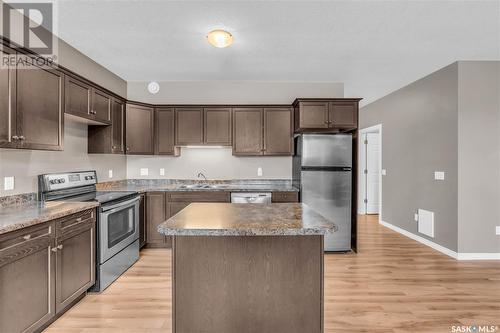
(224, 219)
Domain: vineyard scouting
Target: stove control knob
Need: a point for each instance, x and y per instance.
(52, 181)
(62, 180)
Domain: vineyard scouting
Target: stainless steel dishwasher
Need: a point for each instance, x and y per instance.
(254, 198)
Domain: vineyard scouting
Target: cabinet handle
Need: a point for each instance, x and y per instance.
(60, 247)
(15, 137)
(128, 148)
(27, 237)
(78, 219)
(54, 249)
(22, 138)
(114, 147)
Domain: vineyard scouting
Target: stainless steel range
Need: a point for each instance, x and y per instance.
(117, 220)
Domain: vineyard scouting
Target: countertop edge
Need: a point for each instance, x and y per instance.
(47, 217)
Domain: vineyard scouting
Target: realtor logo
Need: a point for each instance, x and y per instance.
(29, 25)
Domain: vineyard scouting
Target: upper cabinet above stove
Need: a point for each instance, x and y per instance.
(85, 101)
(326, 115)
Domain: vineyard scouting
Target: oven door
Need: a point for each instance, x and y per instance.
(119, 227)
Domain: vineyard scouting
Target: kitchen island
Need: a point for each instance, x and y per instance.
(247, 268)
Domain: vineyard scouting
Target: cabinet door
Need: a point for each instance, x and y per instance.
(7, 102)
(40, 94)
(142, 221)
(27, 279)
(118, 126)
(165, 131)
(77, 97)
(217, 126)
(343, 114)
(156, 214)
(101, 106)
(247, 131)
(189, 126)
(139, 130)
(278, 132)
(313, 114)
(75, 262)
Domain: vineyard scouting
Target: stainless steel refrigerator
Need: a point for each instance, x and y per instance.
(322, 169)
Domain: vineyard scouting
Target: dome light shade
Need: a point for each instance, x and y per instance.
(220, 38)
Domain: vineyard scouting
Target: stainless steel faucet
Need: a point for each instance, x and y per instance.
(202, 175)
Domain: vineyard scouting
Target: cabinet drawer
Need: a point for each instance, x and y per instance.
(215, 196)
(285, 197)
(75, 223)
(20, 243)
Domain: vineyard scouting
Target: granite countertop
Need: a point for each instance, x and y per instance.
(223, 219)
(22, 216)
(144, 185)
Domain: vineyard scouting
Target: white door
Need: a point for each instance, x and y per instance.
(372, 173)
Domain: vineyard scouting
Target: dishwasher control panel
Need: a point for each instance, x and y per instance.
(251, 197)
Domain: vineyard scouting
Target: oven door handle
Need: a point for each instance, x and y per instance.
(120, 205)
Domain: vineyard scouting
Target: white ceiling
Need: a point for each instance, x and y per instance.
(374, 47)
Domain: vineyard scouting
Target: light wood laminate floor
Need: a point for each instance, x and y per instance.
(393, 284)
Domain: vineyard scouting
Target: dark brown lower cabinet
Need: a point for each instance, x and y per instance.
(27, 275)
(156, 214)
(43, 269)
(75, 269)
(287, 196)
(142, 221)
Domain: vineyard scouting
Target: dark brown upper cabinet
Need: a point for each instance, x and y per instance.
(7, 101)
(85, 101)
(217, 126)
(343, 114)
(189, 126)
(78, 97)
(139, 130)
(326, 115)
(278, 131)
(109, 139)
(31, 110)
(101, 106)
(248, 136)
(262, 131)
(165, 132)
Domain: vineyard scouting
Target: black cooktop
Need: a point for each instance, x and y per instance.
(102, 197)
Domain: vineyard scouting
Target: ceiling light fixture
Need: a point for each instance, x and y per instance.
(220, 38)
(153, 87)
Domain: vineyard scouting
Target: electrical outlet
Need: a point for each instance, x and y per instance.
(144, 171)
(497, 230)
(439, 175)
(416, 217)
(162, 172)
(259, 171)
(110, 173)
(384, 172)
(8, 183)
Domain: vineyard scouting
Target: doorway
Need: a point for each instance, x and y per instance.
(370, 170)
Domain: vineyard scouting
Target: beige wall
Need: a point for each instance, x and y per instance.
(215, 163)
(419, 136)
(478, 156)
(25, 165)
(232, 92)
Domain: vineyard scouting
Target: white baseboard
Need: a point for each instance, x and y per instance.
(440, 248)
(420, 239)
(478, 256)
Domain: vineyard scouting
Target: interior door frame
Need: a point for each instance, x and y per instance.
(362, 167)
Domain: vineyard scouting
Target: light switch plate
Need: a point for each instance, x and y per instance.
(497, 230)
(384, 172)
(8, 183)
(439, 175)
(144, 171)
(162, 172)
(259, 171)
(110, 173)
(416, 217)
